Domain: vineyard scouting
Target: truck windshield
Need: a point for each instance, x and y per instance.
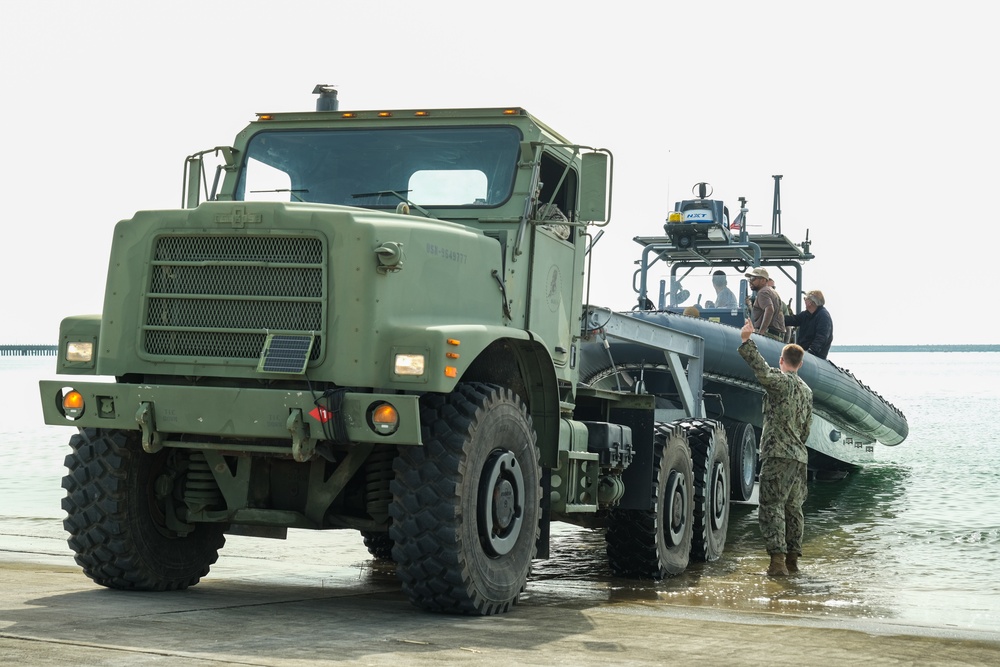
(378, 168)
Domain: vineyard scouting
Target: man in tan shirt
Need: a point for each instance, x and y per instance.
(766, 312)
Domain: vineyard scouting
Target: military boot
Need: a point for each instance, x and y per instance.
(792, 563)
(777, 567)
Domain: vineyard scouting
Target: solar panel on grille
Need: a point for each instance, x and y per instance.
(284, 353)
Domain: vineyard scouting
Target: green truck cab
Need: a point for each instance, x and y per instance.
(369, 320)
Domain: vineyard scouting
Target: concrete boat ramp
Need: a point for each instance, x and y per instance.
(309, 602)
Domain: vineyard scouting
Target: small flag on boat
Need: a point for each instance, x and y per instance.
(738, 222)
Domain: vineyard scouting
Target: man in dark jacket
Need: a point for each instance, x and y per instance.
(815, 333)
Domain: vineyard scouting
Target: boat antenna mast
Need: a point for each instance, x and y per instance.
(776, 211)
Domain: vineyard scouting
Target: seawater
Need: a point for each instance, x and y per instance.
(913, 538)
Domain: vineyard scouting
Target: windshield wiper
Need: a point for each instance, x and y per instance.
(288, 190)
(402, 197)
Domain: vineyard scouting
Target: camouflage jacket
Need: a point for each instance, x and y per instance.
(788, 404)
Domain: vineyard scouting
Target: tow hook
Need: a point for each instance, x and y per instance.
(303, 447)
(151, 441)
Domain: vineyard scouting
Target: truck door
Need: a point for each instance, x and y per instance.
(555, 287)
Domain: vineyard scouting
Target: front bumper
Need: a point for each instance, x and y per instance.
(229, 418)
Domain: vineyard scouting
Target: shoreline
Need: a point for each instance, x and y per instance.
(297, 606)
(236, 621)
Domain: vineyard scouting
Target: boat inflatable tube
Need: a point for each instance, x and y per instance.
(836, 391)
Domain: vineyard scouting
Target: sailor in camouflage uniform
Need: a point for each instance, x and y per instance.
(784, 458)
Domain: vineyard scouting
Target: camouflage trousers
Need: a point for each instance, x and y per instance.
(782, 492)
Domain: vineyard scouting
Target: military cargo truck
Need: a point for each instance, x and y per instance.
(374, 320)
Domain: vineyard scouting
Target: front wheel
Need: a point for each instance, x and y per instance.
(466, 505)
(117, 502)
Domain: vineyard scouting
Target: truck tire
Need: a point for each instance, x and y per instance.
(656, 543)
(710, 459)
(466, 505)
(115, 516)
(742, 459)
(379, 545)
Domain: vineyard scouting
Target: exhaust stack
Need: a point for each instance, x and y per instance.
(327, 100)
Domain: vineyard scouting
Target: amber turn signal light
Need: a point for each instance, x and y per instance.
(72, 404)
(383, 418)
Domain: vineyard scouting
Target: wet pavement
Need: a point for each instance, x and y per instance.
(315, 599)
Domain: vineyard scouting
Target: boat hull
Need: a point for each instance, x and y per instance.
(849, 417)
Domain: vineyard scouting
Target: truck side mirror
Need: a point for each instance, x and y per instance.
(594, 187)
(192, 182)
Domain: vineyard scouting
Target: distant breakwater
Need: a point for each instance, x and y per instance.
(28, 350)
(915, 348)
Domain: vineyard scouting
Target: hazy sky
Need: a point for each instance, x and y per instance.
(882, 117)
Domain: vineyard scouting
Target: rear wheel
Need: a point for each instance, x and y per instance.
(742, 459)
(710, 458)
(466, 505)
(118, 503)
(656, 543)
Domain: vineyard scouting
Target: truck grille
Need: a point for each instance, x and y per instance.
(219, 296)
